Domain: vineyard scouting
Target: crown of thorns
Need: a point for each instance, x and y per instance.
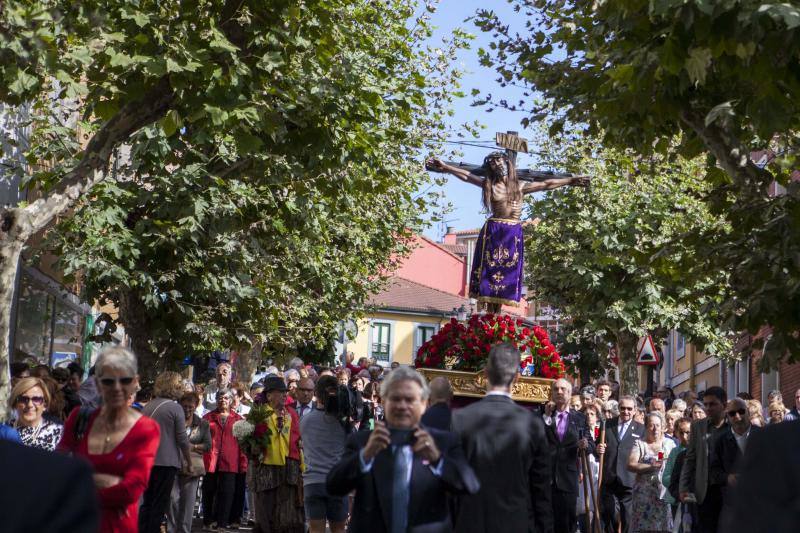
(493, 156)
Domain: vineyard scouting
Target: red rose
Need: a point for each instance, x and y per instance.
(260, 430)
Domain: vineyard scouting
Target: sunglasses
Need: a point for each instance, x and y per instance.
(109, 382)
(621, 408)
(739, 412)
(35, 400)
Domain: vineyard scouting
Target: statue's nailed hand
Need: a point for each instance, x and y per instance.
(580, 181)
(435, 165)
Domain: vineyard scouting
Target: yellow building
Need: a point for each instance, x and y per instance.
(406, 314)
(685, 367)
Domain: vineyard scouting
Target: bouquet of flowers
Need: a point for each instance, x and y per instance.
(465, 347)
(253, 433)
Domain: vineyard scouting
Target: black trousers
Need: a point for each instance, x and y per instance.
(708, 512)
(156, 498)
(565, 518)
(615, 496)
(237, 506)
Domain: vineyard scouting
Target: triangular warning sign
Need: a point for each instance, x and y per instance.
(646, 353)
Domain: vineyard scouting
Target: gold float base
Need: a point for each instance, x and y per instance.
(526, 389)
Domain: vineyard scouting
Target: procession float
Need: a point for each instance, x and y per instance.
(458, 352)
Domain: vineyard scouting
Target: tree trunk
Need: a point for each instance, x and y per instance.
(133, 315)
(628, 371)
(247, 363)
(9, 262)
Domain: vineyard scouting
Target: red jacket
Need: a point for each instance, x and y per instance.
(225, 454)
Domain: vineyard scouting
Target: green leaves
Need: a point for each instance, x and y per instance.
(722, 77)
(786, 13)
(697, 64)
(267, 199)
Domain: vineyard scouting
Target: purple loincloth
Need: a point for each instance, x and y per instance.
(496, 275)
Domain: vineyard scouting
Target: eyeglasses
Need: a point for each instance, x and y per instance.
(739, 412)
(35, 400)
(622, 408)
(109, 382)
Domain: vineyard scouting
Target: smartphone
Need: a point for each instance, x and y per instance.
(401, 437)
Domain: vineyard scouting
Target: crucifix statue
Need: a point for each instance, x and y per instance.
(496, 277)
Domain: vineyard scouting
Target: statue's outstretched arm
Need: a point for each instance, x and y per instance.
(437, 165)
(555, 183)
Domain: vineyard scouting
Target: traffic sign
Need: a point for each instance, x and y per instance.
(646, 353)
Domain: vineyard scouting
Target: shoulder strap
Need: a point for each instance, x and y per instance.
(82, 422)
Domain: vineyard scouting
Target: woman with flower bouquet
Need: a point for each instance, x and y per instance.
(271, 437)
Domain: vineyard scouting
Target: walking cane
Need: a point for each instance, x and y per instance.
(588, 473)
(582, 459)
(602, 460)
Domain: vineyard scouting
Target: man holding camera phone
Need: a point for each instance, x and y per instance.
(402, 472)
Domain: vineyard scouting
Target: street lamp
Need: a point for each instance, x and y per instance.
(459, 313)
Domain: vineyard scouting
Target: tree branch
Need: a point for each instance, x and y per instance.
(731, 155)
(91, 169)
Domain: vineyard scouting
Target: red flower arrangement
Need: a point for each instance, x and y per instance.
(465, 347)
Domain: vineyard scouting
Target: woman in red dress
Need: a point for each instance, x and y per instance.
(117, 440)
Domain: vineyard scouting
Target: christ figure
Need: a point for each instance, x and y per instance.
(496, 276)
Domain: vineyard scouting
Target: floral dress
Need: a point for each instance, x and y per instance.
(650, 509)
(45, 436)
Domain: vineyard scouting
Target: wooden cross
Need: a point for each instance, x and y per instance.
(513, 144)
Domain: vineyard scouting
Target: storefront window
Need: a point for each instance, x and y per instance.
(34, 323)
(49, 331)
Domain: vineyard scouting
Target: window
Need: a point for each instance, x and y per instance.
(422, 334)
(680, 346)
(381, 340)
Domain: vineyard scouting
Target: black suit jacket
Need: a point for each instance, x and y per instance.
(725, 458)
(438, 416)
(618, 451)
(45, 492)
(427, 508)
(767, 496)
(564, 453)
(507, 447)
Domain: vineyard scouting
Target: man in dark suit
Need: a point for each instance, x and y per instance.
(767, 498)
(566, 432)
(694, 475)
(794, 413)
(727, 452)
(506, 445)
(621, 435)
(438, 414)
(401, 472)
(45, 491)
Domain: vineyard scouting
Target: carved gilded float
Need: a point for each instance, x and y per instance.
(473, 384)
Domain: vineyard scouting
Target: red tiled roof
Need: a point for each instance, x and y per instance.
(458, 249)
(441, 246)
(404, 295)
(467, 232)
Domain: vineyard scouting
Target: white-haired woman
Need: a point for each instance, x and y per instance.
(30, 397)
(117, 440)
(649, 506)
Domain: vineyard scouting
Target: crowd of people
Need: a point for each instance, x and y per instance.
(369, 449)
